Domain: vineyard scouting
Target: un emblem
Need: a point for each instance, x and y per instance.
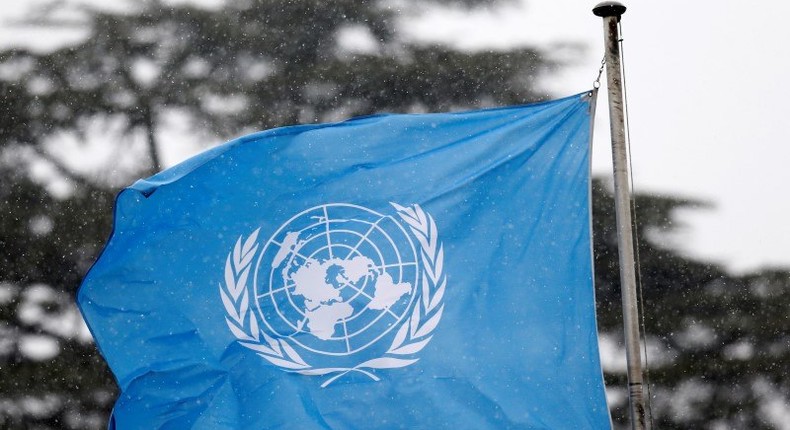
(338, 288)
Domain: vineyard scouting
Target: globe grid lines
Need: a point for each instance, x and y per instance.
(379, 268)
(363, 238)
(414, 331)
(293, 251)
(319, 222)
(343, 285)
(367, 296)
(328, 232)
(325, 220)
(304, 243)
(343, 320)
(296, 327)
(345, 335)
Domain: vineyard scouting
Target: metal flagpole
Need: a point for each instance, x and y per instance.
(611, 11)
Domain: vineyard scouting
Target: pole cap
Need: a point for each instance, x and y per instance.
(609, 8)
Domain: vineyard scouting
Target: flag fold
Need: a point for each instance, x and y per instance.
(389, 271)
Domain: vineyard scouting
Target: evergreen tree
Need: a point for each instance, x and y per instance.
(718, 344)
(249, 65)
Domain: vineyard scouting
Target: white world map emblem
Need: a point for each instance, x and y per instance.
(338, 288)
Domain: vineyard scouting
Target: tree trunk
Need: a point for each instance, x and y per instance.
(153, 149)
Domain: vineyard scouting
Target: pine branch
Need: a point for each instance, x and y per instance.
(80, 180)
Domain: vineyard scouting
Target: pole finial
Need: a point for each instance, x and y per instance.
(609, 8)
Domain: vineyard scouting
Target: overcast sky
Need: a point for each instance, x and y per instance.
(707, 91)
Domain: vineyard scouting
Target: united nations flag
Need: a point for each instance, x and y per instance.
(387, 272)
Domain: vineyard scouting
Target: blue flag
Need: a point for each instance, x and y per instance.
(386, 272)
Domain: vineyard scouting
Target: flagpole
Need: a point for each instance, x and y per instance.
(611, 12)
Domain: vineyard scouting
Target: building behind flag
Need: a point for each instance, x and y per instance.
(391, 271)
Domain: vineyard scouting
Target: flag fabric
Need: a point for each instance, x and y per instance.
(418, 271)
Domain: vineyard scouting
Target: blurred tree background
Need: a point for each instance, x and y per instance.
(80, 121)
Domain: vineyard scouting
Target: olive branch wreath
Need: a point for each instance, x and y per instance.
(412, 336)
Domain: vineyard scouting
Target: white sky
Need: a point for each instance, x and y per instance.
(706, 93)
